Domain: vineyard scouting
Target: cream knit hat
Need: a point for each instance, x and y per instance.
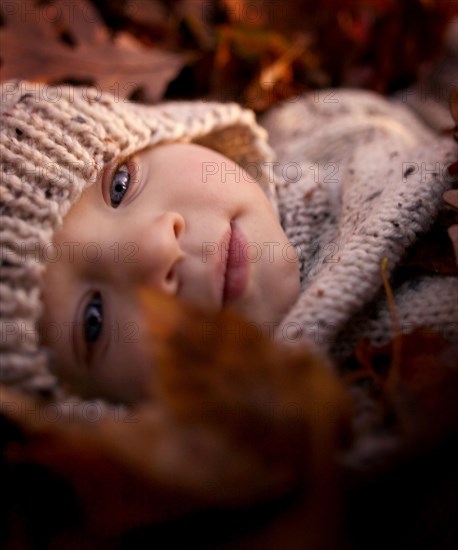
(54, 141)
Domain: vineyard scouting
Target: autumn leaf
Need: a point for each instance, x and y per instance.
(453, 103)
(67, 41)
(421, 384)
(231, 424)
(451, 198)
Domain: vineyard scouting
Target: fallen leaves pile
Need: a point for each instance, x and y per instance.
(244, 444)
(254, 52)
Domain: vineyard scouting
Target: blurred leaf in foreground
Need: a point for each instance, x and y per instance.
(233, 423)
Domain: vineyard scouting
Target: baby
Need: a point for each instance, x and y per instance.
(101, 197)
(158, 221)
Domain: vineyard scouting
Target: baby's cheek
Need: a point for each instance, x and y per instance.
(285, 279)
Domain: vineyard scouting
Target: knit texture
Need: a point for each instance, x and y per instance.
(369, 184)
(358, 179)
(54, 142)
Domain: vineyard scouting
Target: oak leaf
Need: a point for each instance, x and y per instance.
(416, 374)
(231, 424)
(67, 42)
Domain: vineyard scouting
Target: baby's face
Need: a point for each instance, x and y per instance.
(177, 218)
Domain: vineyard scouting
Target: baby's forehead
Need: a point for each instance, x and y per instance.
(202, 161)
(188, 150)
(190, 159)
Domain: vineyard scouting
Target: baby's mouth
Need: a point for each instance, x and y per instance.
(236, 272)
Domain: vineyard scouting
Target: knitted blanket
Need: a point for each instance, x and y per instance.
(362, 179)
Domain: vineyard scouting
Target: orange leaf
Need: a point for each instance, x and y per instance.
(218, 432)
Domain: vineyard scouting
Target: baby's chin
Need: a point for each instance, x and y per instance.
(268, 305)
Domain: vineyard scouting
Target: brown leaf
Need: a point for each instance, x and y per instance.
(421, 383)
(65, 41)
(453, 102)
(451, 198)
(276, 75)
(232, 423)
(433, 254)
(453, 234)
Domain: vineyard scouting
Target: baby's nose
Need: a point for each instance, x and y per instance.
(158, 251)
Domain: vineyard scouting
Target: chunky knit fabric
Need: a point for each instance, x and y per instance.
(54, 142)
(367, 183)
(359, 179)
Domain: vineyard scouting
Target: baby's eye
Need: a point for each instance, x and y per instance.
(93, 319)
(119, 185)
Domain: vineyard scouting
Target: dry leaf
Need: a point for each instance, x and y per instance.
(431, 255)
(453, 103)
(451, 198)
(453, 234)
(421, 383)
(64, 41)
(233, 424)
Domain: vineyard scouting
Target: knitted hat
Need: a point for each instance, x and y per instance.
(54, 142)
